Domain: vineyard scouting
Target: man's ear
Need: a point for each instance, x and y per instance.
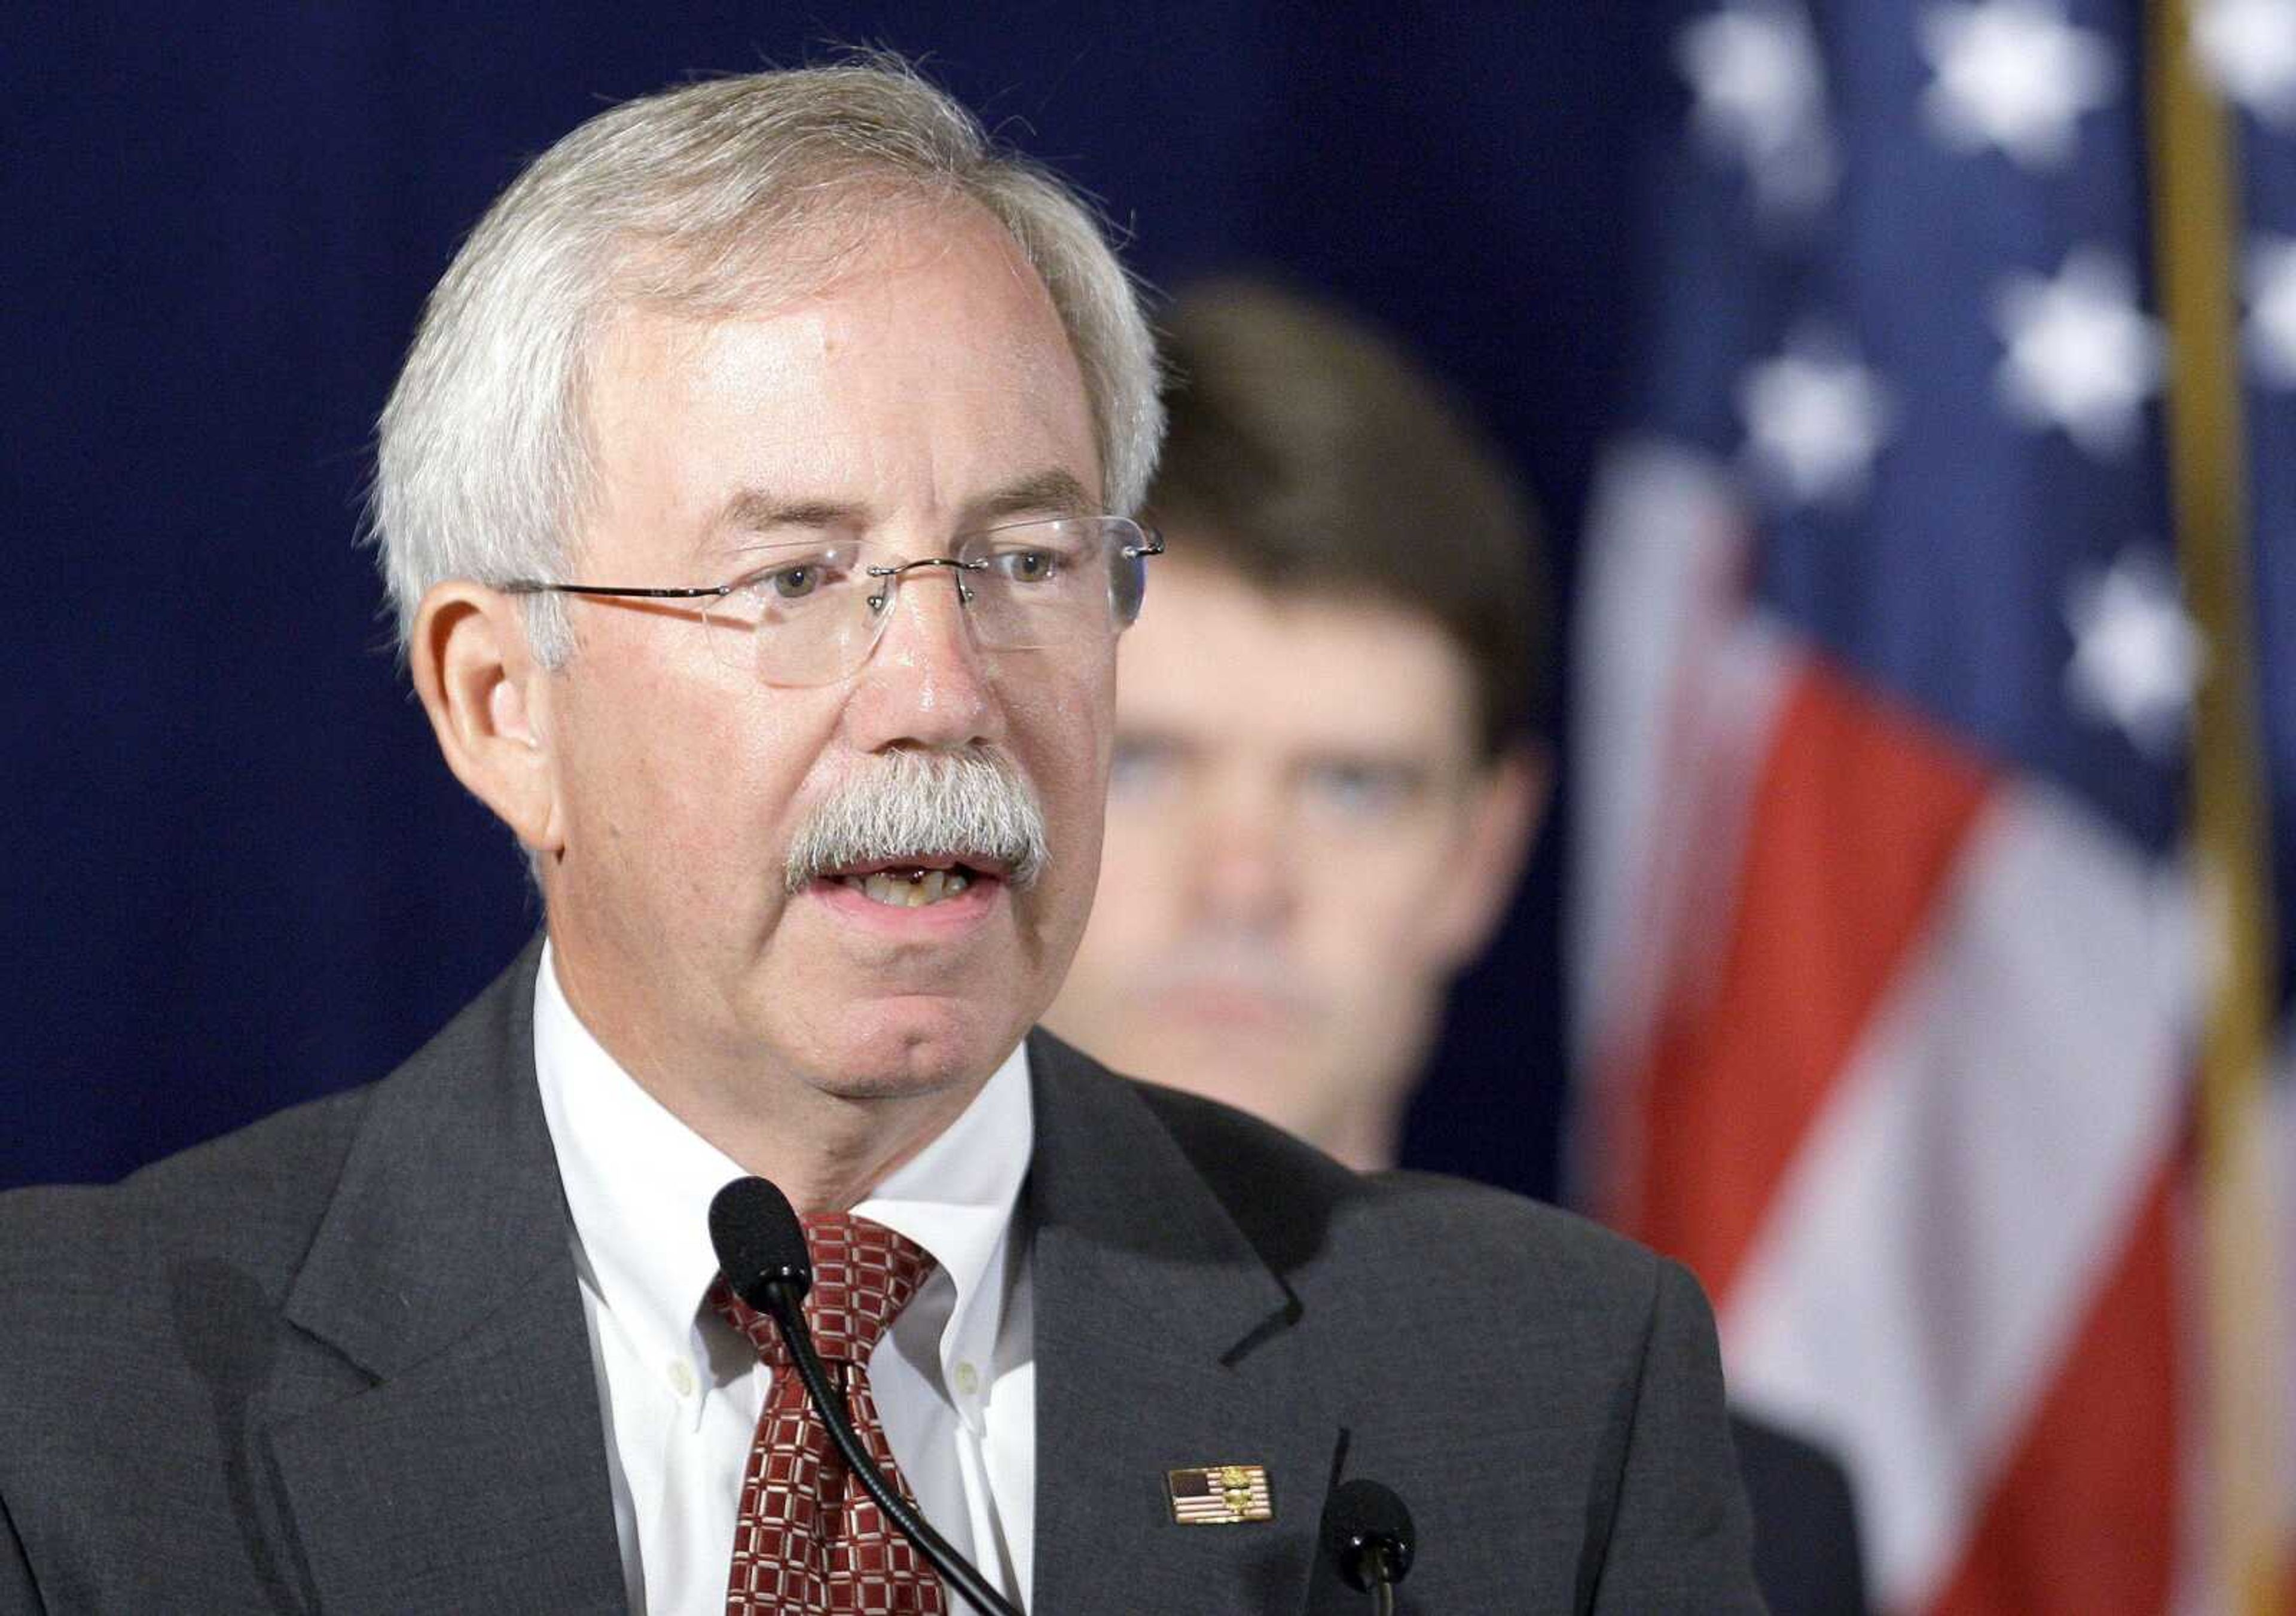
(1505, 805)
(488, 701)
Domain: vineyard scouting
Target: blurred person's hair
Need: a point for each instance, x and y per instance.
(699, 200)
(1307, 451)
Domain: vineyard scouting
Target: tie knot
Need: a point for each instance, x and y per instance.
(863, 1274)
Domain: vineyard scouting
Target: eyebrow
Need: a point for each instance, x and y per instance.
(1053, 492)
(759, 511)
(1050, 492)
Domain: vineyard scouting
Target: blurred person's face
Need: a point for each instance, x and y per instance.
(929, 392)
(1303, 847)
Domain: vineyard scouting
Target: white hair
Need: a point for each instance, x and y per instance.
(699, 199)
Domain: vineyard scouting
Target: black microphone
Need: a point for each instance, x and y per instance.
(1369, 1533)
(762, 1251)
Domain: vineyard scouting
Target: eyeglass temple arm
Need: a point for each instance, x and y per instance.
(527, 585)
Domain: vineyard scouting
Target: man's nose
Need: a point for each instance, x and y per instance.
(926, 683)
(1247, 870)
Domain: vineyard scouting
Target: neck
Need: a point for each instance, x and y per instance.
(1366, 1137)
(827, 1152)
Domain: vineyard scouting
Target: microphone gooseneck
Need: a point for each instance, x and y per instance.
(762, 1251)
(1369, 1534)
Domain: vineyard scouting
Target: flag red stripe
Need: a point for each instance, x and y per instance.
(1857, 817)
(2081, 1522)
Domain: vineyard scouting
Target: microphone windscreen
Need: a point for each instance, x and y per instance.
(1362, 1518)
(759, 1241)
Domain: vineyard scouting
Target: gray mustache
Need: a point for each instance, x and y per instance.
(974, 805)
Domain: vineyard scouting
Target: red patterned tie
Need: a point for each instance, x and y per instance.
(810, 1539)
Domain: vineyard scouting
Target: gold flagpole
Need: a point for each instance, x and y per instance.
(2196, 229)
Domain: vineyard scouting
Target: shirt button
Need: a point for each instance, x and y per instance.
(968, 1380)
(681, 1377)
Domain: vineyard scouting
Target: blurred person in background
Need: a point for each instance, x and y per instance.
(1331, 755)
(1325, 780)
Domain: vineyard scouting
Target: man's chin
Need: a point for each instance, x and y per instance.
(1212, 1015)
(913, 1047)
(1217, 1057)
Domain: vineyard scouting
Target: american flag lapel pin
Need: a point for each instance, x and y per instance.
(1219, 1494)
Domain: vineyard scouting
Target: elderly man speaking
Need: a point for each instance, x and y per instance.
(753, 504)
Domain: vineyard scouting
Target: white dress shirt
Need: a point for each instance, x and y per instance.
(953, 1378)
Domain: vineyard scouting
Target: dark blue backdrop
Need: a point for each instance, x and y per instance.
(235, 873)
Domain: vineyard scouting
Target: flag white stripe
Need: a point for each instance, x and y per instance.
(1673, 727)
(1920, 1274)
(1648, 605)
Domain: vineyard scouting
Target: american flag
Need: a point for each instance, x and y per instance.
(1937, 761)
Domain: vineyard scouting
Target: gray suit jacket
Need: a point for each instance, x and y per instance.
(337, 1362)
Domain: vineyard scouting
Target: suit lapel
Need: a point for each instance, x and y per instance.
(1162, 1341)
(473, 1474)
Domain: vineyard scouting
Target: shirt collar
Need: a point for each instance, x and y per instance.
(639, 1183)
(955, 1198)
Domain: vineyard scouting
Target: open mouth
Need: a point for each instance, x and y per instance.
(914, 885)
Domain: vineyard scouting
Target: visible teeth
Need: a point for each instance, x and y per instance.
(911, 891)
